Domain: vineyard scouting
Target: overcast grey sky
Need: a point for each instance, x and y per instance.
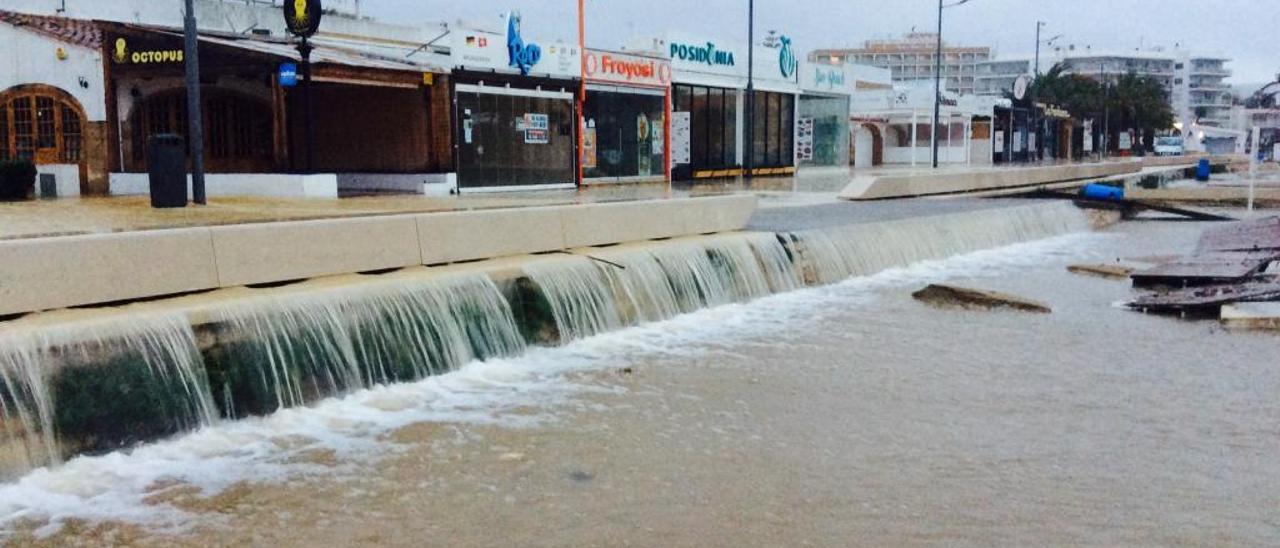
(1246, 30)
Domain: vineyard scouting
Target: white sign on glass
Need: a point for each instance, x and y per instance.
(681, 138)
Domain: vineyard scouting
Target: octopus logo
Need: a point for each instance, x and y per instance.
(302, 17)
(300, 14)
(122, 50)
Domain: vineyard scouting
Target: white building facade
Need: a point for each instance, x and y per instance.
(911, 60)
(1196, 83)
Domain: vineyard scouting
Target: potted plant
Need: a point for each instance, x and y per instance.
(17, 180)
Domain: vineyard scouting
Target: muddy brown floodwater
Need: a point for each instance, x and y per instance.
(858, 417)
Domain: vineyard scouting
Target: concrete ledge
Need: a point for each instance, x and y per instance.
(709, 215)
(470, 235)
(631, 221)
(273, 252)
(1168, 161)
(47, 273)
(1207, 195)
(240, 184)
(57, 272)
(978, 180)
(1252, 315)
(66, 180)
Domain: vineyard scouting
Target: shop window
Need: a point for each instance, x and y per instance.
(237, 129)
(713, 116)
(628, 127)
(508, 139)
(40, 124)
(773, 136)
(4, 133)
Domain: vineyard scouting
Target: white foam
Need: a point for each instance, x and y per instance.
(263, 450)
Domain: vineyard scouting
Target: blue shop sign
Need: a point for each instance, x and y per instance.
(519, 54)
(288, 75)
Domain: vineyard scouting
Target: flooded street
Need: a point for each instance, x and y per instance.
(833, 416)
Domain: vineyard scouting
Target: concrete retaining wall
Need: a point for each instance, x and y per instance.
(978, 180)
(240, 184)
(50, 273)
(66, 178)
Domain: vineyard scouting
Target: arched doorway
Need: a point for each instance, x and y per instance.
(867, 146)
(237, 129)
(41, 123)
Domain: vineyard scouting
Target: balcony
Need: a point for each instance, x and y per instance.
(1211, 71)
(1211, 102)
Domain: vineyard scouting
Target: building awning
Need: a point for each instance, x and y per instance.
(331, 62)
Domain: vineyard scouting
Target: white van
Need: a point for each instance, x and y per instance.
(1169, 146)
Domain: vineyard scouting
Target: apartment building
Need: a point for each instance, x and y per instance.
(912, 60)
(1196, 82)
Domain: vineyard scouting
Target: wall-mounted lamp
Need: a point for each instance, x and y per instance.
(61, 54)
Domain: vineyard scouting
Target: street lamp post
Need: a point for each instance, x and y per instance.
(749, 138)
(937, 80)
(195, 122)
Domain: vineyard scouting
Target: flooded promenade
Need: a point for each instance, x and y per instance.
(839, 415)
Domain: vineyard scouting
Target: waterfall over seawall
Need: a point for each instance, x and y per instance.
(89, 387)
(589, 296)
(98, 386)
(293, 350)
(834, 254)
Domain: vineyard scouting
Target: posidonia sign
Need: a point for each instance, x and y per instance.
(622, 68)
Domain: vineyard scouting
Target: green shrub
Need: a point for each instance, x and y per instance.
(17, 180)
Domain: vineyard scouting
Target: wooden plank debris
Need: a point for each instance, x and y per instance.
(1209, 298)
(1207, 268)
(1255, 235)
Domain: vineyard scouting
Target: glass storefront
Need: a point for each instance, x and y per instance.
(774, 130)
(824, 139)
(624, 134)
(509, 137)
(713, 116)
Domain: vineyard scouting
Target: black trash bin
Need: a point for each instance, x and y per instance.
(167, 168)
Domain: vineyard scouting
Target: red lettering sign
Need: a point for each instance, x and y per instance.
(623, 68)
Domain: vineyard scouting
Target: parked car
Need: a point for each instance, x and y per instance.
(1169, 146)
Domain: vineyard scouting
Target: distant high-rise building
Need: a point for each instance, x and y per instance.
(912, 60)
(1196, 83)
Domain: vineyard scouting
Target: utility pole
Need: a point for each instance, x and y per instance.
(195, 121)
(1106, 111)
(937, 82)
(582, 88)
(749, 138)
(937, 89)
(308, 105)
(1035, 96)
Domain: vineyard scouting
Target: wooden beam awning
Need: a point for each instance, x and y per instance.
(332, 63)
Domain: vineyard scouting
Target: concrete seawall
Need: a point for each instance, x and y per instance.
(991, 180)
(58, 272)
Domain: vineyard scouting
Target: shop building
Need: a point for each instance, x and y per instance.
(901, 121)
(822, 129)
(626, 111)
(124, 83)
(709, 120)
(515, 109)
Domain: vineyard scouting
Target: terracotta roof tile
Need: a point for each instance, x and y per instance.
(78, 32)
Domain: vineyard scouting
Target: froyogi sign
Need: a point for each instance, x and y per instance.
(621, 68)
(513, 51)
